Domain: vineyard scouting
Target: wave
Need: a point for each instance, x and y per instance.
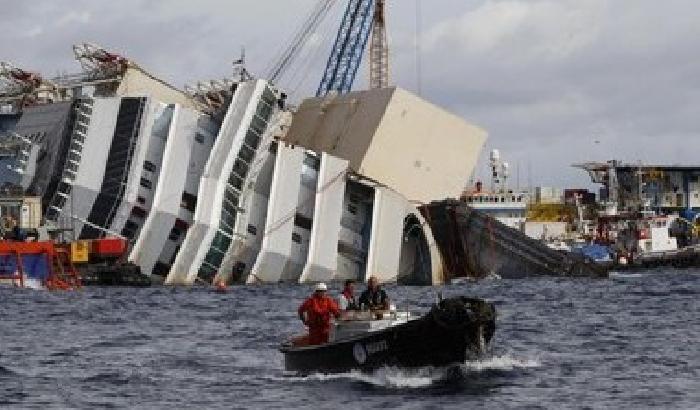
(420, 378)
(389, 377)
(618, 275)
(505, 362)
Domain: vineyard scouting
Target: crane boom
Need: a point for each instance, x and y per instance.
(348, 48)
(379, 49)
(15, 81)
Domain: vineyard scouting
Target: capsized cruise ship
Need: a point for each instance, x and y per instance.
(225, 182)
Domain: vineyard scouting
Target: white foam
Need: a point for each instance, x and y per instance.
(505, 362)
(401, 378)
(619, 275)
(387, 377)
(29, 283)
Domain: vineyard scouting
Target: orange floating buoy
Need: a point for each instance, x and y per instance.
(220, 286)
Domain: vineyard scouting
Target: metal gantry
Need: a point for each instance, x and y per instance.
(98, 63)
(20, 86)
(348, 49)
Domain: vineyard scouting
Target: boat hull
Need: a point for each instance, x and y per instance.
(473, 244)
(436, 339)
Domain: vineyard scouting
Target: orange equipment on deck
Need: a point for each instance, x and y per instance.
(42, 261)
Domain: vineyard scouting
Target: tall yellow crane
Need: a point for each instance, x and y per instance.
(379, 48)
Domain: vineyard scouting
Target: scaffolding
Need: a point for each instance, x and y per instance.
(42, 264)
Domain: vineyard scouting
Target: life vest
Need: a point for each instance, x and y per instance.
(318, 311)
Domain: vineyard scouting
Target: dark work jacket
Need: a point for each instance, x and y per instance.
(373, 300)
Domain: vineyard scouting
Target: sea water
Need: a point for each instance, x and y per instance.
(631, 341)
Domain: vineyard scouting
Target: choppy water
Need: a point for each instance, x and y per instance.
(632, 341)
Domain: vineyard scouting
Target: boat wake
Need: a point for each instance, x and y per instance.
(424, 377)
(618, 275)
(505, 362)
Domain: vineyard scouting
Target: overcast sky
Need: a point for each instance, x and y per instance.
(552, 81)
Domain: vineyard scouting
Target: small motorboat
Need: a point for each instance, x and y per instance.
(453, 331)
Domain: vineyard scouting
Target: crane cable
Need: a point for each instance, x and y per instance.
(418, 48)
(298, 78)
(312, 22)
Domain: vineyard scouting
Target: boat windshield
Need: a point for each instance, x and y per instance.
(356, 323)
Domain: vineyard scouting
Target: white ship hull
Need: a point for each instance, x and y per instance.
(201, 199)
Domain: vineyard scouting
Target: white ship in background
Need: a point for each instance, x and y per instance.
(501, 202)
(225, 182)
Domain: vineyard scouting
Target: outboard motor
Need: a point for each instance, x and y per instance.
(474, 318)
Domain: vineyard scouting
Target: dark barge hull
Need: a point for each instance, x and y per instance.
(127, 275)
(443, 336)
(472, 244)
(680, 259)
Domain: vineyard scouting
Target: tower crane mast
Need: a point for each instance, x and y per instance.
(379, 49)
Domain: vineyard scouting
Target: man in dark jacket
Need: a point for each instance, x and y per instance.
(374, 298)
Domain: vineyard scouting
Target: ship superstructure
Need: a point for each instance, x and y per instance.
(225, 183)
(500, 202)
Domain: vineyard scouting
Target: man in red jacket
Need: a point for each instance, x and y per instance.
(316, 313)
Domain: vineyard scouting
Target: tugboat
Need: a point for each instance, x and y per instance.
(454, 330)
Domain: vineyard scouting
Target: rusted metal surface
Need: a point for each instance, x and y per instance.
(473, 244)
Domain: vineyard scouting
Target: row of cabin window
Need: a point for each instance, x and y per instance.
(37, 137)
(146, 183)
(177, 230)
(493, 199)
(130, 228)
(188, 202)
(259, 124)
(247, 153)
(253, 230)
(264, 112)
(240, 169)
(150, 167)
(215, 255)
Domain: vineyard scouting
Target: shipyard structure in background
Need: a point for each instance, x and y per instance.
(225, 182)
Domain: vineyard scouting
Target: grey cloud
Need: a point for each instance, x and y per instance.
(628, 77)
(546, 78)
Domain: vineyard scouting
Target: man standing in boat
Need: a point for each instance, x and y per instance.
(347, 300)
(374, 298)
(316, 313)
